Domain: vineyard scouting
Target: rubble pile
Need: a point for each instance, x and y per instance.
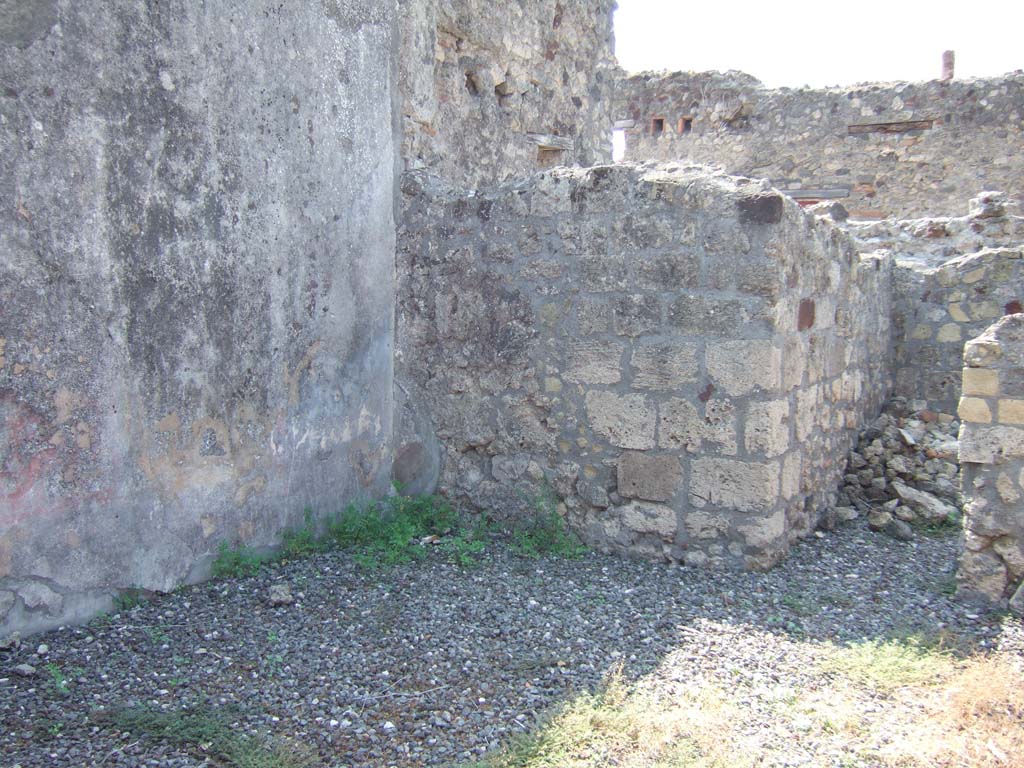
(904, 471)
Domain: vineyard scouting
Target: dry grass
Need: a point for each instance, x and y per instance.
(976, 720)
(632, 728)
(901, 704)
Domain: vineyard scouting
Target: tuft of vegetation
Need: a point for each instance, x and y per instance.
(389, 532)
(886, 665)
(209, 733)
(545, 533)
(128, 599)
(58, 678)
(235, 561)
(304, 540)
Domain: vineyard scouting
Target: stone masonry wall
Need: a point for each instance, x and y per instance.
(992, 458)
(491, 91)
(196, 285)
(952, 277)
(683, 357)
(885, 149)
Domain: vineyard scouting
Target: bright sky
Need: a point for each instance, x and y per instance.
(824, 42)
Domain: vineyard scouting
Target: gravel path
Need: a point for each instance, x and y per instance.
(431, 665)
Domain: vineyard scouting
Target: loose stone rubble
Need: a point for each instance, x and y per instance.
(904, 470)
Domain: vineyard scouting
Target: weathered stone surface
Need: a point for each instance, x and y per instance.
(37, 595)
(626, 421)
(595, 362)
(925, 504)
(197, 282)
(493, 91)
(992, 568)
(664, 366)
(741, 367)
(767, 427)
(652, 478)
(649, 518)
(7, 599)
(877, 148)
(279, 595)
(743, 486)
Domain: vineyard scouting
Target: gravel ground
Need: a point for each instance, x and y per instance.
(432, 665)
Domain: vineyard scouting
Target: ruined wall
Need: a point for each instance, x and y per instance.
(952, 277)
(887, 149)
(992, 458)
(490, 91)
(196, 289)
(683, 357)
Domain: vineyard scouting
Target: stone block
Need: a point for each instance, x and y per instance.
(792, 466)
(680, 427)
(739, 485)
(1011, 411)
(664, 366)
(974, 409)
(702, 316)
(603, 273)
(652, 478)
(36, 595)
(670, 272)
(949, 333)
(983, 382)
(981, 444)
(982, 575)
(627, 421)
(592, 316)
(705, 525)
(636, 315)
(719, 426)
(767, 532)
(767, 427)
(595, 362)
(740, 367)
(649, 518)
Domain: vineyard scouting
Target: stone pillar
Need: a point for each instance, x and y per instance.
(992, 456)
(948, 63)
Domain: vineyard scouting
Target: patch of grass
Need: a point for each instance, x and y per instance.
(886, 665)
(304, 540)
(545, 533)
(625, 726)
(128, 599)
(462, 549)
(389, 532)
(210, 733)
(58, 678)
(233, 562)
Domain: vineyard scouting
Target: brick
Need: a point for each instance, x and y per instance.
(981, 381)
(652, 478)
(974, 409)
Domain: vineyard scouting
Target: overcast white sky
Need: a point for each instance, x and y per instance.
(796, 43)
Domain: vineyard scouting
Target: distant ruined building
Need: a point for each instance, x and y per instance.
(259, 259)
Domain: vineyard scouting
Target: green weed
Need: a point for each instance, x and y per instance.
(545, 533)
(236, 561)
(58, 678)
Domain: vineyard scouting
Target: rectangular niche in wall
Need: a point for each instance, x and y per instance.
(657, 126)
(685, 125)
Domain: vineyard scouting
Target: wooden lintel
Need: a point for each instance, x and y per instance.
(901, 127)
(550, 141)
(816, 194)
